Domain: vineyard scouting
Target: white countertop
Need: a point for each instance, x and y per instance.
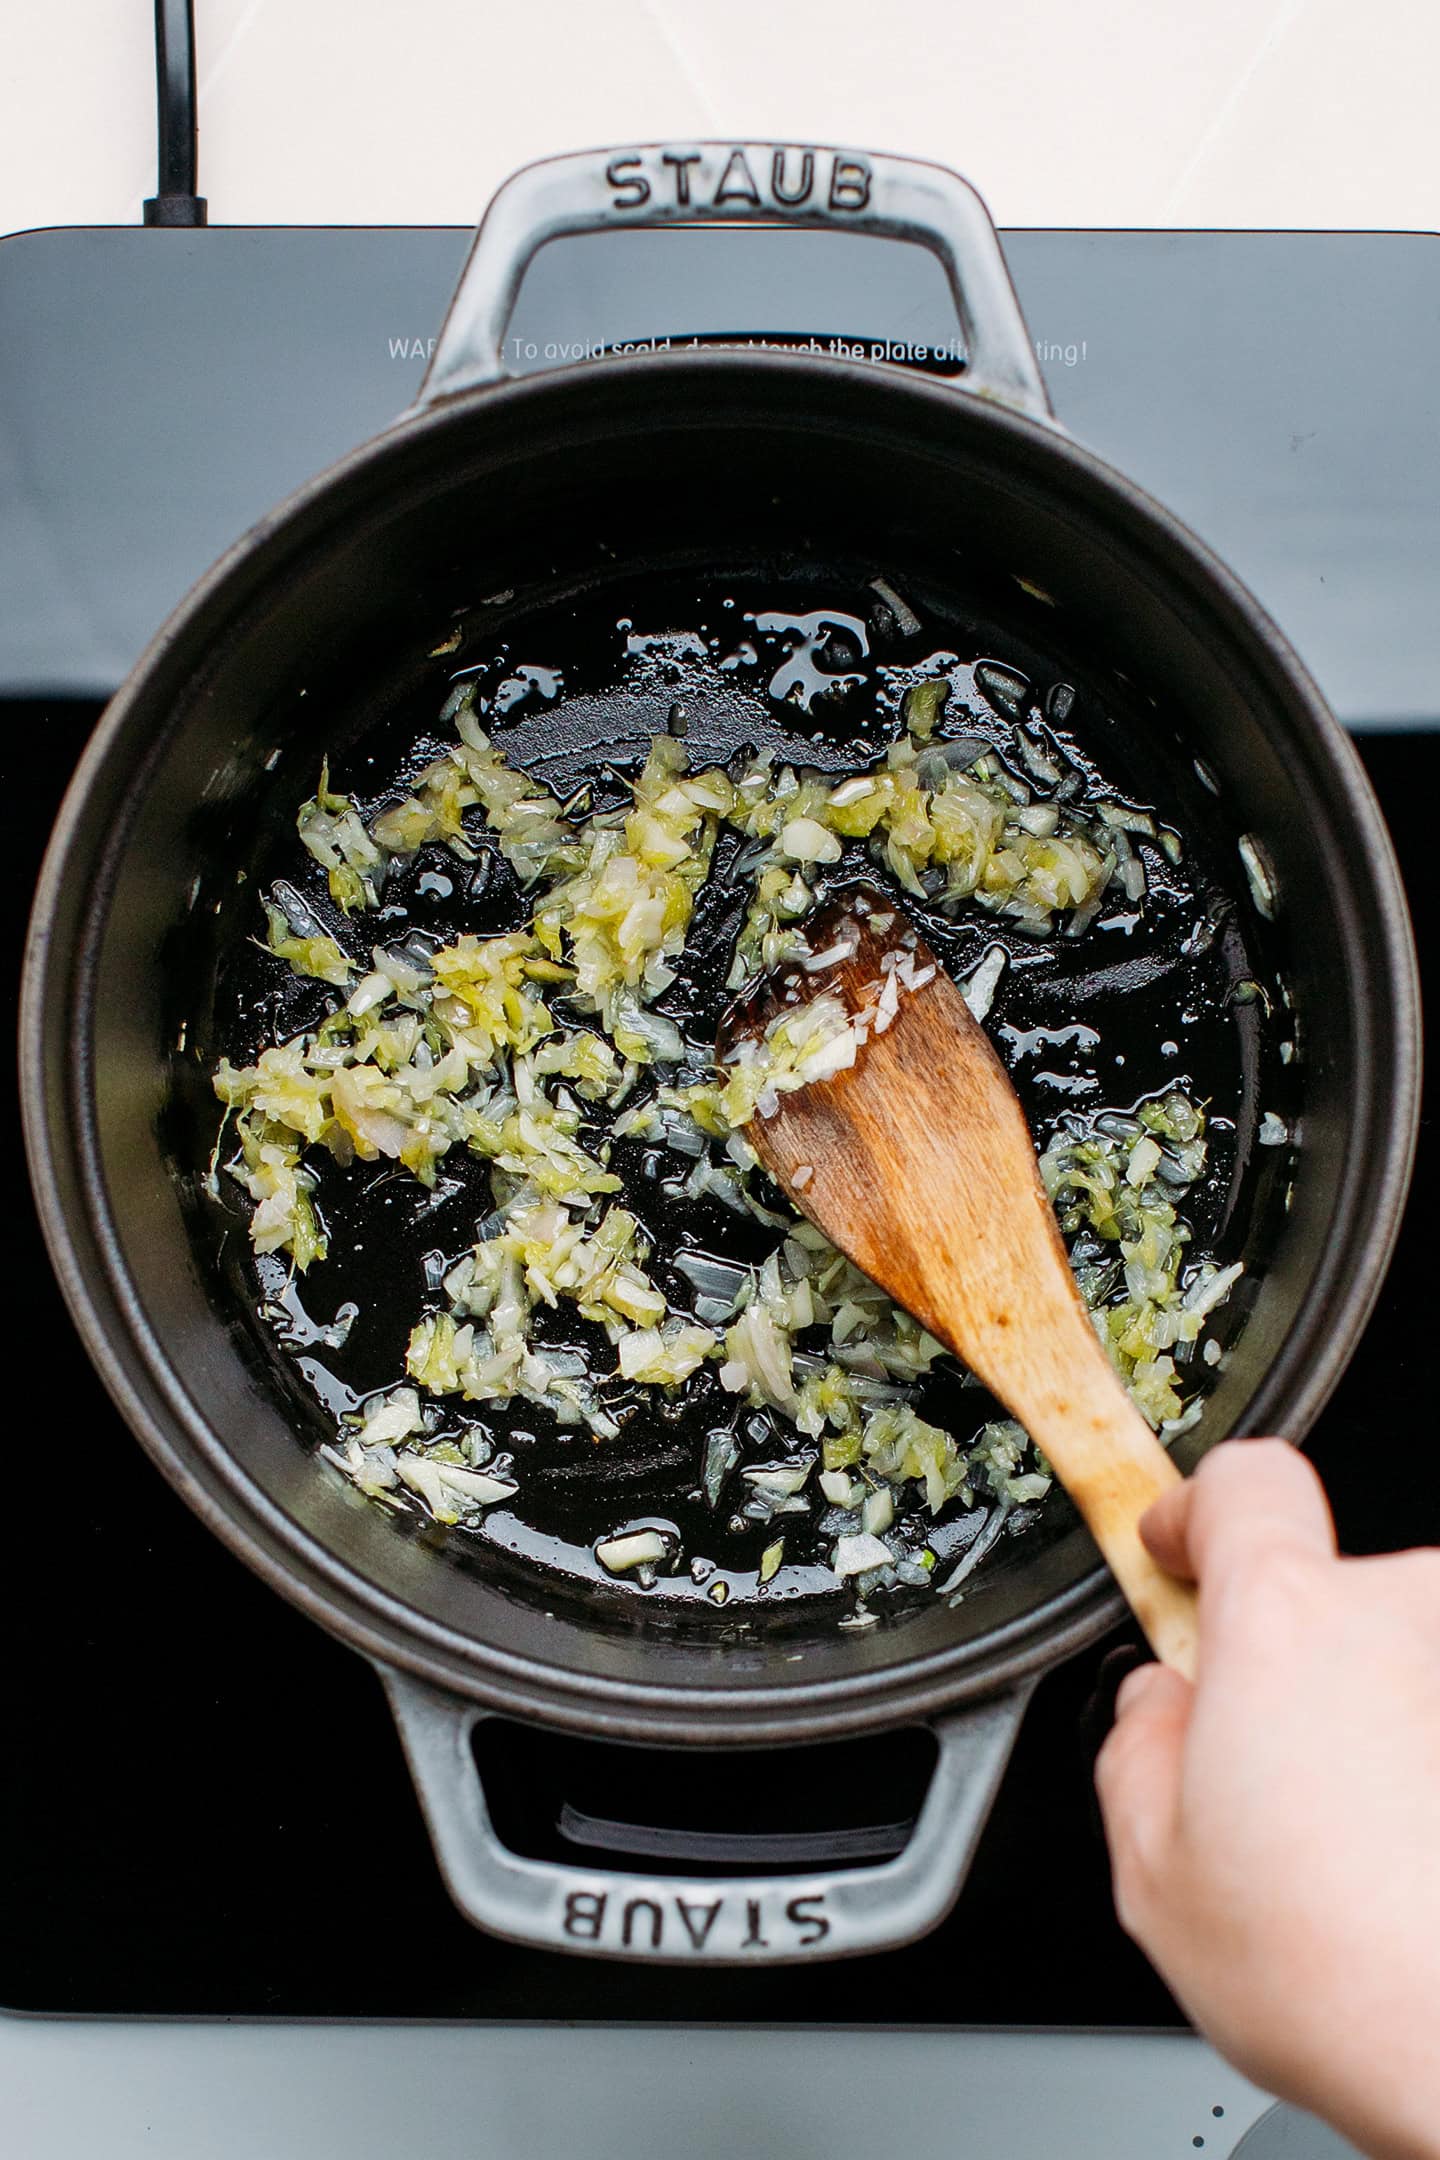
(1072, 112)
(178, 2091)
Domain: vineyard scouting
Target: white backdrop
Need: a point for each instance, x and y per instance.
(1104, 112)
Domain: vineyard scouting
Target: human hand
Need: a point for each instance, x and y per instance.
(1274, 1830)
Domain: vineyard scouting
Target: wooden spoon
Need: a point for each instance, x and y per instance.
(916, 1160)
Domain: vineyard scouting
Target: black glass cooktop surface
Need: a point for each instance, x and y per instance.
(203, 1807)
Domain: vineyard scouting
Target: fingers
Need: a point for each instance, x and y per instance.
(1248, 1496)
(1163, 1528)
(1137, 1774)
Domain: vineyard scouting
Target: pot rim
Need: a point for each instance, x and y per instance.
(75, 1210)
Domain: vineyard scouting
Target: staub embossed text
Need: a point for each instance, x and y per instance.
(722, 1925)
(778, 178)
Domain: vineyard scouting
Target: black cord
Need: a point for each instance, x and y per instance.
(176, 203)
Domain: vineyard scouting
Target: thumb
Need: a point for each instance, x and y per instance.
(1137, 1774)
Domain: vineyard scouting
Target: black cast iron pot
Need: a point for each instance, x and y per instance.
(308, 631)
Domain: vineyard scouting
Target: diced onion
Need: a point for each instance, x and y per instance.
(857, 1555)
(641, 1548)
(518, 1050)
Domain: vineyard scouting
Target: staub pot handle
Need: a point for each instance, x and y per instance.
(713, 183)
(701, 1920)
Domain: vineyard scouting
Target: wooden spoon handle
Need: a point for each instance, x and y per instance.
(1170, 1615)
(1166, 1608)
(1112, 1466)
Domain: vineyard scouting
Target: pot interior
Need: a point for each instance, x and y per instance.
(611, 492)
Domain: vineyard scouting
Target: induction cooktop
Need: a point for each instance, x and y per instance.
(205, 1814)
